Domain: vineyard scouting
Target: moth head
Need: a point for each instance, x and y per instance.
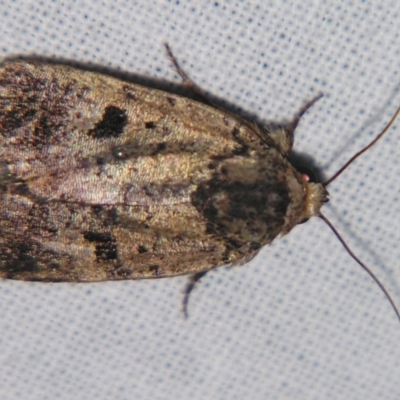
(316, 197)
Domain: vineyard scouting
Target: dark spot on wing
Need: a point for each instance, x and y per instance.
(105, 245)
(160, 148)
(154, 269)
(142, 249)
(150, 125)
(112, 123)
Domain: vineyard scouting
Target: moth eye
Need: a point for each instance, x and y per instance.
(307, 173)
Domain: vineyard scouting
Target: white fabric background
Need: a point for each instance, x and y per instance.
(302, 320)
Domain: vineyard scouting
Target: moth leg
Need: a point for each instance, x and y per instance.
(283, 137)
(186, 80)
(188, 289)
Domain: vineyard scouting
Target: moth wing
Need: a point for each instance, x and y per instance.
(97, 177)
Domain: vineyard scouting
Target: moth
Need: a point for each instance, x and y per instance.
(102, 179)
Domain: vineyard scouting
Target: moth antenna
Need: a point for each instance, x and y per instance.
(303, 110)
(371, 274)
(326, 183)
(186, 80)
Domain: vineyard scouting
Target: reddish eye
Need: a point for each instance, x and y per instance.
(307, 174)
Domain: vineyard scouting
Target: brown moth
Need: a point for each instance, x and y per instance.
(102, 179)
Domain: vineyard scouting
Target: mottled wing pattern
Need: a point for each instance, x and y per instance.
(103, 180)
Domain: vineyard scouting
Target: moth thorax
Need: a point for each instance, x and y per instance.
(316, 196)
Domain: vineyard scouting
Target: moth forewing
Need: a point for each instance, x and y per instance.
(111, 180)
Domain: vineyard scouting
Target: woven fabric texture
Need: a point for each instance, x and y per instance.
(300, 321)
